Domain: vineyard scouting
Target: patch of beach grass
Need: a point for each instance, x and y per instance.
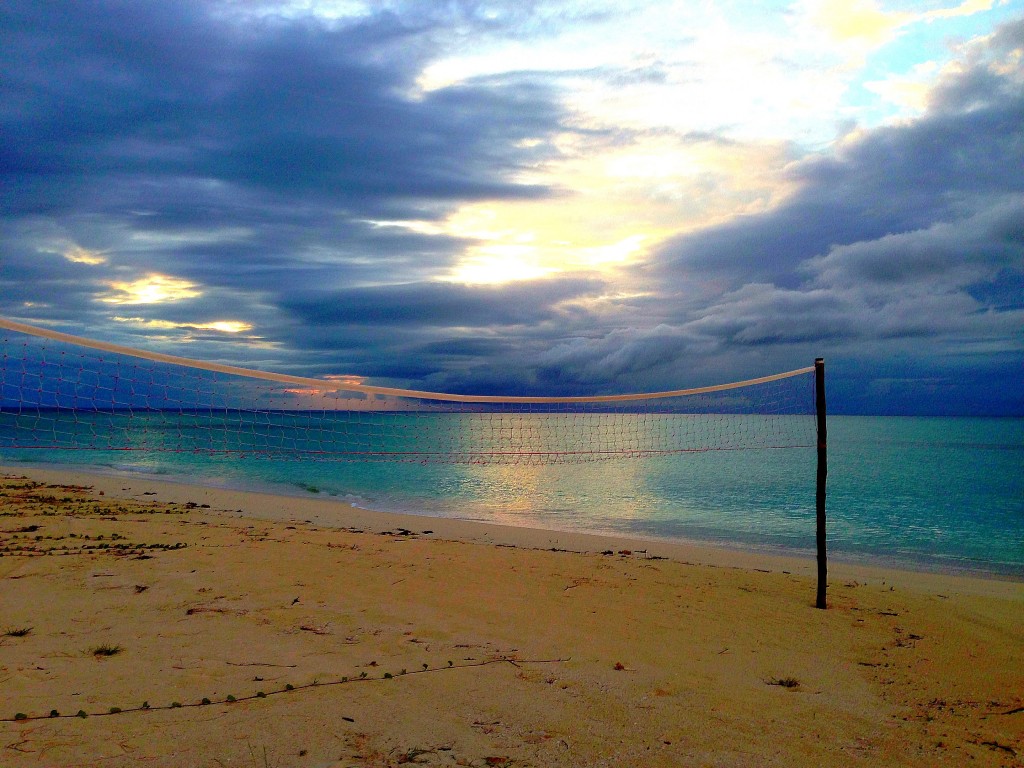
(105, 649)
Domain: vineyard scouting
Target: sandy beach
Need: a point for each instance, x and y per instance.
(148, 623)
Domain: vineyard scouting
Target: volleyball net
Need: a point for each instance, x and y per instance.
(63, 392)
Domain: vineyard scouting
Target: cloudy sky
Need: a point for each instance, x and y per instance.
(528, 197)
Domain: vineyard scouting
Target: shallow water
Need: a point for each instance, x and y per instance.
(937, 493)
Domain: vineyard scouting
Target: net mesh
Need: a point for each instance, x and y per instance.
(57, 395)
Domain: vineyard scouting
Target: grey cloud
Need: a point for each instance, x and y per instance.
(168, 91)
(469, 347)
(985, 78)
(943, 256)
(761, 314)
(623, 352)
(911, 285)
(438, 304)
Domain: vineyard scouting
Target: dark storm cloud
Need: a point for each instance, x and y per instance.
(946, 255)
(488, 347)
(913, 285)
(438, 304)
(843, 276)
(179, 140)
(448, 337)
(169, 91)
(622, 353)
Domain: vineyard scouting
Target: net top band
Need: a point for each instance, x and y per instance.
(328, 385)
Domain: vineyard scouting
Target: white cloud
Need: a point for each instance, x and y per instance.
(79, 255)
(966, 8)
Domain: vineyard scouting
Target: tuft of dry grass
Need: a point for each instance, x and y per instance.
(106, 650)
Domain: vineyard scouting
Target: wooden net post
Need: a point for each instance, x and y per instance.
(819, 403)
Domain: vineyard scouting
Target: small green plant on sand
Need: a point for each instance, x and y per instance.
(785, 682)
(18, 631)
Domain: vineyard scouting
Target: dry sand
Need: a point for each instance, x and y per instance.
(351, 638)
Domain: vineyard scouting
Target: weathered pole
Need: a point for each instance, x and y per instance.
(819, 404)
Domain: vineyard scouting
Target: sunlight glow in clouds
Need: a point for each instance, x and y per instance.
(908, 92)
(860, 23)
(865, 26)
(152, 289)
(526, 241)
(221, 326)
(618, 202)
(79, 255)
(74, 253)
(495, 264)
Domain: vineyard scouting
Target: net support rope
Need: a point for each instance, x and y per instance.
(64, 392)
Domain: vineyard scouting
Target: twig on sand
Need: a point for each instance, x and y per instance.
(784, 682)
(996, 746)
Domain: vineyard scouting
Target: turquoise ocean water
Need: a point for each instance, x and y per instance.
(932, 493)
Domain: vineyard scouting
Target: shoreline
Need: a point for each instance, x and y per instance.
(872, 523)
(336, 513)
